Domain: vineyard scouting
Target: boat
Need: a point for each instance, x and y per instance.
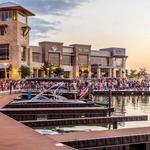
(104, 102)
(52, 95)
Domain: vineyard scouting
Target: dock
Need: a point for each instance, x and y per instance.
(120, 139)
(48, 105)
(22, 114)
(84, 121)
(18, 136)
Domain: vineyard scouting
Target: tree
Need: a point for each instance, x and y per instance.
(86, 72)
(58, 71)
(132, 74)
(24, 71)
(142, 73)
(47, 68)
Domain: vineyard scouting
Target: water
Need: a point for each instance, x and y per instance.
(124, 106)
(135, 105)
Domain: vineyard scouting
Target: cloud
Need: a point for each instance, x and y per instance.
(44, 8)
(40, 27)
(53, 7)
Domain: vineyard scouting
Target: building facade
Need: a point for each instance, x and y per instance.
(77, 60)
(14, 39)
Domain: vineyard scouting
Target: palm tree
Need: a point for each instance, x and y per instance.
(142, 73)
(47, 68)
(24, 71)
(133, 74)
(59, 71)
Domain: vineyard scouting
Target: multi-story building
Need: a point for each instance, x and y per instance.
(76, 60)
(14, 39)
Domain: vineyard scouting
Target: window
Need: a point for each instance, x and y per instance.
(5, 15)
(67, 74)
(54, 58)
(21, 18)
(67, 60)
(118, 62)
(3, 29)
(4, 52)
(36, 57)
(83, 60)
(103, 61)
(23, 53)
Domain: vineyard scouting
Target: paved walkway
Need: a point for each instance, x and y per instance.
(16, 136)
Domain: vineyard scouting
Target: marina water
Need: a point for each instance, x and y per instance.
(123, 105)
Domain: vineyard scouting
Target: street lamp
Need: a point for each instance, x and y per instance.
(47, 72)
(5, 64)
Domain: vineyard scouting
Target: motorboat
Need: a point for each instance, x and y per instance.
(51, 95)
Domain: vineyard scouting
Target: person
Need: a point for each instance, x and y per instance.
(11, 85)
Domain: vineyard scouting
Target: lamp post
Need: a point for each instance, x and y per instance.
(5, 64)
(47, 72)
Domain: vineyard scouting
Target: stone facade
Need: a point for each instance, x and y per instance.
(16, 36)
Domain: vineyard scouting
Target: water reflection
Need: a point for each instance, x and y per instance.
(124, 106)
(132, 105)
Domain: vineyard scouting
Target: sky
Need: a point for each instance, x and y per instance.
(101, 23)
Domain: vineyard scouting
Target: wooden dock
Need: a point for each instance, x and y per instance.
(22, 114)
(84, 121)
(120, 139)
(16, 136)
(48, 105)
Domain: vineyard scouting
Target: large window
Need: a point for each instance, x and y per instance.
(5, 15)
(21, 18)
(23, 53)
(4, 52)
(118, 62)
(2, 31)
(103, 61)
(67, 60)
(83, 60)
(54, 58)
(36, 57)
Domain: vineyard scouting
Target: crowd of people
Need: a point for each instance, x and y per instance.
(78, 84)
(117, 84)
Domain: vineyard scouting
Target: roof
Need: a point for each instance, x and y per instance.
(80, 45)
(14, 6)
(8, 4)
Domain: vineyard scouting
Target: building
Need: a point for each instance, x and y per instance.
(79, 60)
(14, 39)
(76, 60)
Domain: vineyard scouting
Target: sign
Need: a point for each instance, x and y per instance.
(54, 48)
(119, 52)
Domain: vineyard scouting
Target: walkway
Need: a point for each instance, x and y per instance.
(16, 136)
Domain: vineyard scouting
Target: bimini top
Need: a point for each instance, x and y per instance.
(14, 6)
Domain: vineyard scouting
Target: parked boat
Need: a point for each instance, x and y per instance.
(104, 102)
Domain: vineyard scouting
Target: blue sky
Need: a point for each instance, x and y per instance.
(101, 23)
